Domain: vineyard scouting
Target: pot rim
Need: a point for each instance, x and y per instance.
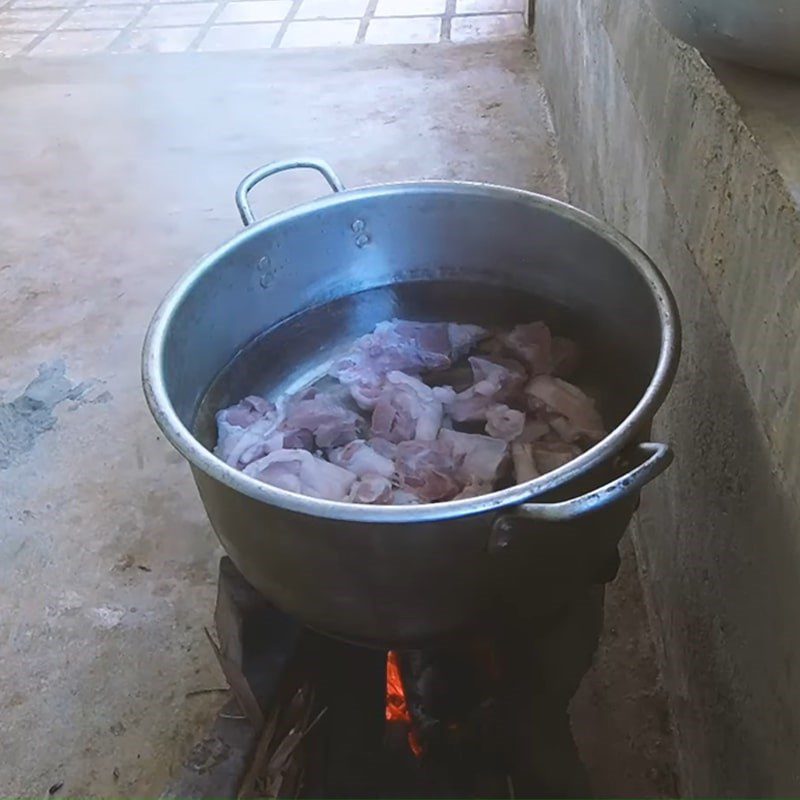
(625, 433)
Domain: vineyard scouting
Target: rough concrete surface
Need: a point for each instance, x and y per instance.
(770, 106)
(116, 174)
(733, 209)
(621, 708)
(718, 537)
(25, 417)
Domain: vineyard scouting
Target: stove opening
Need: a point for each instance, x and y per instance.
(481, 717)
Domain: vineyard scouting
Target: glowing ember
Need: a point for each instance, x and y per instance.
(396, 708)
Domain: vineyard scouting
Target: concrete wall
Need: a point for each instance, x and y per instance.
(655, 144)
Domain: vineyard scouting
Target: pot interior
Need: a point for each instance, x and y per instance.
(265, 311)
(289, 355)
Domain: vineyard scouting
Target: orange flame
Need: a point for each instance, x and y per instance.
(396, 708)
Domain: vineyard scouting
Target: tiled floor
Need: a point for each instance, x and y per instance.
(78, 27)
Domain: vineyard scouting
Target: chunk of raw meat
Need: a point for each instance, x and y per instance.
(252, 443)
(406, 409)
(532, 460)
(247, 411)
(494, 383)
(302, 439)
(427, 469)
(504, 423)
(263, 437)
(565, 356)
(552, 455)
(492, 347)
(410, 380)
(525, 468)
(331, 424)
(383, 447)
(360, 458)
(372, 489)
(531, 343)
(570, 431)
(474, 490)
(463, 338)
(411, 347)
(457, 378)
(478, 458)
(581, 418)
(246, 431)
(403, 497)
(366, 392)
(534, 430)
(300, 471)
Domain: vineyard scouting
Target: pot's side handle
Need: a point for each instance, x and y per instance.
(258, 175)
(657, 458)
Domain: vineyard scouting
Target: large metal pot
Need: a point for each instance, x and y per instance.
(758, 33)
(475, 252)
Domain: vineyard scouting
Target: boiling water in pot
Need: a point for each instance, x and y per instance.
(287, 357)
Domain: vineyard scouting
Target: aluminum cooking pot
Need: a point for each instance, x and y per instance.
(267, 309)
(758, 33)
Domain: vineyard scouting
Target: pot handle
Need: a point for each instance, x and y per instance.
(258, 175)
(659, 457)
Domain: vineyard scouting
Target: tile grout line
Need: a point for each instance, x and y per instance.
(125, 34)
(447, 20)
(206, 27)
(291, 14)
(367, 17)
(37, 40)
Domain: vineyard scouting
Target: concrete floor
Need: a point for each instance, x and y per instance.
(116, 175)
